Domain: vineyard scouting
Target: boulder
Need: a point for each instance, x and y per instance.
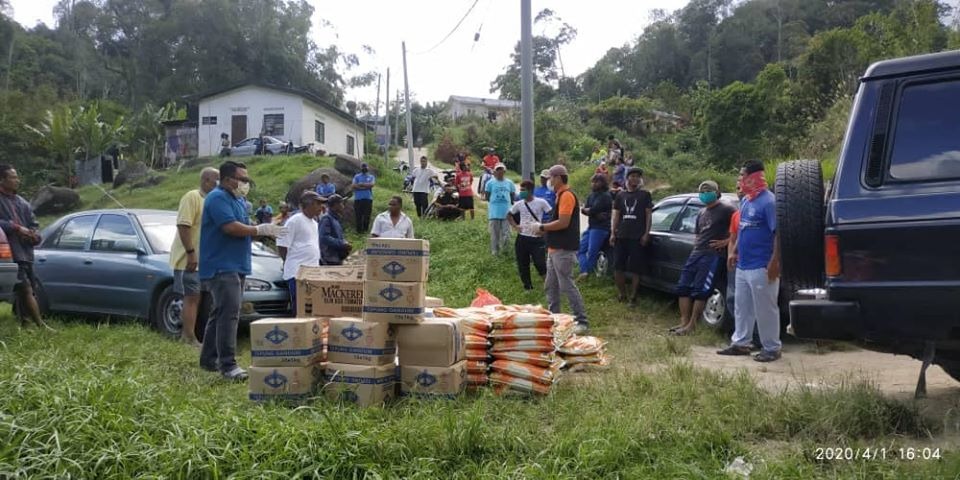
(51, 200)
(310, 181)
(151, 180)
(349, 166)
(131, 173)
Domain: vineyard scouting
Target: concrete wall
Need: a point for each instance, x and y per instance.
(336, 127)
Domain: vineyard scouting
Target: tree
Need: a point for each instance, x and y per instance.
(58, 134)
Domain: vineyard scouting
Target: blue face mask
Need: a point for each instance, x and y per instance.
(708, 197)
(524, 195)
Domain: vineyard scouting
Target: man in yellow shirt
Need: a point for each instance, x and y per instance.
(184, 255)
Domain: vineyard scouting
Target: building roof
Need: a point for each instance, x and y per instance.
(292, 91)
(486, 102)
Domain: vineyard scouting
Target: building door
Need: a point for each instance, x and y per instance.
(238, 129)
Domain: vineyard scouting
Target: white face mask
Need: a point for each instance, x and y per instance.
(550, 185)
(243, 189)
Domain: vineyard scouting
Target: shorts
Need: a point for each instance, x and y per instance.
(25, 274)
(186, 283)
(699, 275)
(466, 203)
(628, 255)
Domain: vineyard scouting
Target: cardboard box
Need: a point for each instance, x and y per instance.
(281, 342)
(437, 342)
(433, 381)
(397, 259)
(329, 291)
(284, 383)
(394, 302)
(433, 302)
(361, 343)
(362, 385)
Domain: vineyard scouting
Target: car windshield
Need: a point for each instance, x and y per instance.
(160, 228)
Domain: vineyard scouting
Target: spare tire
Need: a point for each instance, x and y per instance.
(800, 218)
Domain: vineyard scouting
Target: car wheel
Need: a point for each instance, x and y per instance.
(167, 313)
(716, 315)
(800, 223)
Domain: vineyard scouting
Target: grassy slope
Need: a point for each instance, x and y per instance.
(110, 401)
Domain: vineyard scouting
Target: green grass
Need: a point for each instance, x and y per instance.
(118, 400)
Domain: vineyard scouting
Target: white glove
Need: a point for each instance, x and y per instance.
(270, 230)
(533, 229)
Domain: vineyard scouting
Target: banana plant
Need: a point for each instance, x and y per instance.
(58, 134)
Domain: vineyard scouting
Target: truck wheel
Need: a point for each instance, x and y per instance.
(800, 218)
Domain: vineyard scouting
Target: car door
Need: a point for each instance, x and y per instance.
(678, 245)
(117, 260)
(244, 148)
(665, 214)
(59, 264)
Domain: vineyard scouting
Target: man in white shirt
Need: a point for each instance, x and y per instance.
(393, 223)
(301, 245)
(529, 244)
(423, 177)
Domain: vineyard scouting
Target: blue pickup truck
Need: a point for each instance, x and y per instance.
(875, 256)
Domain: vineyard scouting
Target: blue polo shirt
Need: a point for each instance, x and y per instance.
(326, 189)
(758, 226)
(219, 252)
(363, 194)
(546, 194)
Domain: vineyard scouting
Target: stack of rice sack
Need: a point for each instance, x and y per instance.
(476, 328)
(584, 353)
(524, 341)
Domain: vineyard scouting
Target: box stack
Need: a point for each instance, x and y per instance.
(476, 331)
(524, 347)
(395, 284)
(431, 357)
(286, 355)
(361, 366)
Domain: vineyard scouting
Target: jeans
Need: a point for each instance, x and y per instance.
(591, 242)
(292, 288)
(527, 249)
(499, 235)
(361, 211)
(756, 303)
(421, 202)
(560, 281)
(220, 337)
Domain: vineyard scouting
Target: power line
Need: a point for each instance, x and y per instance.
(455, 27)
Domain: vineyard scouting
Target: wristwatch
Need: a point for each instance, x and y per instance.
(541, 227)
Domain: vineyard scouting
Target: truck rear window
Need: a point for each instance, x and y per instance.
(926, 145)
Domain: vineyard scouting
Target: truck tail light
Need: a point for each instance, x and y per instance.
(5, 252)
(831, 252)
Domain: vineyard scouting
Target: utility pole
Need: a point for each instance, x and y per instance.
(396, 122)
(406, 94)
(386, 121)
(526, 90)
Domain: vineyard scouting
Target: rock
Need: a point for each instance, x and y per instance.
(310, 181)
(349, 166)
(149, 181)
(348, 216)
(55, 200)
(131, 173)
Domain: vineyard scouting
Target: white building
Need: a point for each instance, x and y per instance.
(492, 109)
(244, 111)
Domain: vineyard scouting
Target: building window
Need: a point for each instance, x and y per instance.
(471, 112)
(351, 145)
(319, 131)
(209, 120)
(273, 124)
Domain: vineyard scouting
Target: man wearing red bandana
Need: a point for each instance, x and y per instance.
(756, 257)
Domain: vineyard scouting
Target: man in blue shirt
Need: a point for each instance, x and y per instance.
(500, 192)
(225, 240)
(333, 247)
(325, 188)
(544, 192)
(756, 256)
(362, 198)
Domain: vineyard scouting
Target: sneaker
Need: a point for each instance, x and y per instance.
(237, 374)
(581, 328)
(767, 356)
(735, 350)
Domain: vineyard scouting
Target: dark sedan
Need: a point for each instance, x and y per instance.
(115, 262)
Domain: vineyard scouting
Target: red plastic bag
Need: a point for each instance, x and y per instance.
(484, 298)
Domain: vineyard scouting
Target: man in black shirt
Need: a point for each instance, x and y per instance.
(20, 226)
(597, 209)
(630, 233)
(708, 255)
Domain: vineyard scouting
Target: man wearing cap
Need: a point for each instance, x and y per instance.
(563, 240)
(544, 192)
(334, 248)
(500, 195)
(709, 252)
(301, 244)
(630, 233)
(423, 179)
(363, 198)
